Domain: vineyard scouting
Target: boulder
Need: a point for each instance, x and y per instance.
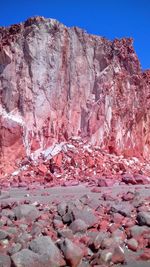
(29, 212)
(72, 253)
(143, 218)
(43, 245)
(5, 260)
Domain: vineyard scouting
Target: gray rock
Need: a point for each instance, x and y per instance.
(137, 264)
(97, 240)
(107, 243)
(119, 236)
(43, 245)
(67, 218)
(143, 218)
(62, 208)
(5, 260)
(118, 255)
(123, 208)
(12, 230)
(136, 230)
(14, 248)
(36, 229)
(23, 238)
(66, 233)
(3, 234)
(132, 244)
(84, 264)
(58, 224)
(26, 258)
(8, 213)
(101, 257)
(86, 214)
(29, 212)
(78, 226)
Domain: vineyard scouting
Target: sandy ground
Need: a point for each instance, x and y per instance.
(70, 192)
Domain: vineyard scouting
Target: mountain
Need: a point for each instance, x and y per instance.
(58, 82)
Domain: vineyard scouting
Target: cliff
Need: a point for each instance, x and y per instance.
(57, 82)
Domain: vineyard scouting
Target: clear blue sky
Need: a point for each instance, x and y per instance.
(109, 18)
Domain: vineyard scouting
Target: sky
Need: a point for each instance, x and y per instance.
(108, 18)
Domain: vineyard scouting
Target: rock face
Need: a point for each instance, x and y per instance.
(56, 82)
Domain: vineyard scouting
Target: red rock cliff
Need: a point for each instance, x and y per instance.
(57, 81)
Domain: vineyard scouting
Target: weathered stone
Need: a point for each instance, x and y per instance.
(122, 208)
(62, 208)
(8, 213)
(128, 179)
(78, 226)
(73, 253)
(36, 229)
(141, 179)
(107, 243)
(119, 236)
(58, 224)
(98, 239)
(84, 264)
(143, 218)
(118, 255)
(132, 244)
(26, 257)
(43, 245)
(105, 256)
(29, 212)
(101, 258)
(5, 260)
(14, 248)
(137, 264)
(23, 239)
(85, 214)
(3, 234)
(128, 196)
(67, 218)
(66, 233)
(136, 230)
(146, 254)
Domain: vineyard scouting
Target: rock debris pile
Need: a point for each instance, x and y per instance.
(78, 162)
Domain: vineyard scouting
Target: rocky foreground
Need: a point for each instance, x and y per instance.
(76, 206)
(75, 226)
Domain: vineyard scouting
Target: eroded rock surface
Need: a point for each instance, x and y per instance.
(56, 82)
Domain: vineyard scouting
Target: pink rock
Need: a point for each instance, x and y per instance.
(118, 255)
(73, 253)
(132, 244)
(141, 179)
(104, 225)
(96, 190)
(128, 196)
(42, 169)
(146, 254)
